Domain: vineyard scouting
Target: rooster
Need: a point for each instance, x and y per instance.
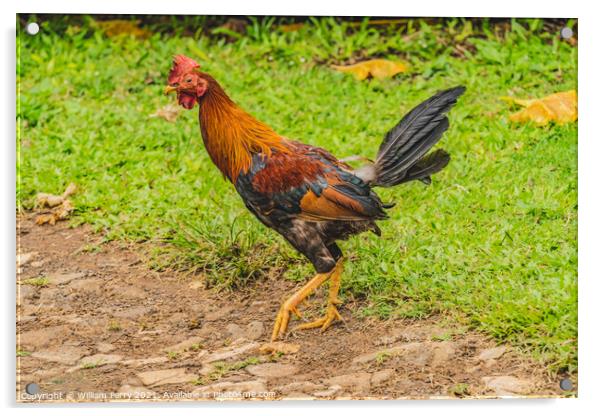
(303, 192)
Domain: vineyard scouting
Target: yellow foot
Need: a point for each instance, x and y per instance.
(331, 314)
(281, 323)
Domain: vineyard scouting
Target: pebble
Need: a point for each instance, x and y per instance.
(507, 385)
(184, 345)
(218, 314)
(359, 381)
(100, 359)
(162, 377)
(442, 353)
(254, 330)
(235, 331)
(135, 392)
(382, 376)
(64, 278)
(255, 386)
(230, 352)
(139, 362)
(331, 391)
(87, 286)
(66, 355)
(492, 353)
(272, 370)
(104, 347)
(299, 386)
(396, 350)
(40, 338)
(132, 313)
(25, 258)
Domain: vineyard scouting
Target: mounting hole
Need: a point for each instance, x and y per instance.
(566, 33)
(32, 388)
(32, 28)
(566, 384)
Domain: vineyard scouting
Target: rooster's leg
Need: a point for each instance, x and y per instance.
(331, 310)
(290, 305)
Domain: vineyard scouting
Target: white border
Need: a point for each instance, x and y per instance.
(590, 187)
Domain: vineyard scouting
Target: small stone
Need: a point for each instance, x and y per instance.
(299, 386)
(442, 353)
(37, 263)
(254, 330)
(135, 392)
(25, 258)
(64, 278)
(230, 352)
(87, 286)
(218, 314)
(66, 355)
(393, 351)
(132, 292)
(279, 347)
(252, 386)
(132, 313)
(331, 391)
(272, 370)
(26, 292)
(104, 347)
(43, 337)
(162, 377)
(297, 395)
(507, 385)
(100, 359)
(139, 362)
(184, 345)
(235, 331)
(492, 353)
(357, 381)
(382, 376)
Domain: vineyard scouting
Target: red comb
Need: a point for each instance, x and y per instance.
(181, 65)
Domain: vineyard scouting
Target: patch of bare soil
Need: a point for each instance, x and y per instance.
(95, 324)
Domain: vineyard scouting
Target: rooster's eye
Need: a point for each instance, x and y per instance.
(189, 80)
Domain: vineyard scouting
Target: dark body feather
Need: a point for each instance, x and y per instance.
(312, 199)
(277, 190)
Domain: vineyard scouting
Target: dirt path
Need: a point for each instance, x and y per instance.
(102, 326)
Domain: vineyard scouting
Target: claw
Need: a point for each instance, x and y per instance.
(324, 322)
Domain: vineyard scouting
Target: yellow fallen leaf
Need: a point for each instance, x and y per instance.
(60, 206)
(560, 107)
(113, 28)
(170, 112)
(377, 68)
(59, 213)
(50, 201)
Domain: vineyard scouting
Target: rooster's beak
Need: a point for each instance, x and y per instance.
(169, 89)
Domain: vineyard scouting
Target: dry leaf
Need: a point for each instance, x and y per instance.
(170, 112)
(60, 213)
(293, 27)
(48, 200)
(279, 347)
(377, 68)
(71, 188)
(112, 28)
(560, 107)
(60, 206)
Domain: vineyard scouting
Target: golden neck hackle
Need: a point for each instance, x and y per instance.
(231, 135)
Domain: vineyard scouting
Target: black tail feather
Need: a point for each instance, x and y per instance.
(401, 157)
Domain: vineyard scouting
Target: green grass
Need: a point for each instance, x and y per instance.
(493, 241)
